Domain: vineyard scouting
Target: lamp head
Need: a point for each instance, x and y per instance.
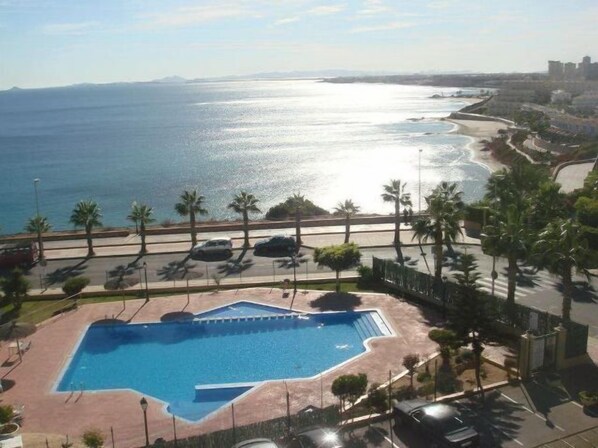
(143, 404)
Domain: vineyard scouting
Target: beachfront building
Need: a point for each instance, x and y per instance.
(575, 125)
(509, 100)
(586, 103)
(560, 97)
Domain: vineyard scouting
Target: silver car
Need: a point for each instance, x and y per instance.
(214, 246)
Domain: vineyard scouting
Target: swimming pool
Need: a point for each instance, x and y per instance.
(197, 366)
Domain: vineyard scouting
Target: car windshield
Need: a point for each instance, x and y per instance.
(451, 425)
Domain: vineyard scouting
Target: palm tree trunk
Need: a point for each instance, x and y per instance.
(142, 234)
(567, 293)
(347, 228)
(193, 231)
(438, 261)
(397, 239)
(511, 285)
(245, 229)
(90, 252)
(298, 227)
(477, 356)
(338, 281)
(40, 245)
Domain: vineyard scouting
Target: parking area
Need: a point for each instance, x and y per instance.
(527, 415)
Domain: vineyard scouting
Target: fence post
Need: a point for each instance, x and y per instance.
(111, 436)
(390, 407)
(232, 407)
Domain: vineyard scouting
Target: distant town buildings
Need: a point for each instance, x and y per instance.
(587, 103)
(585, 70)
(560, 97)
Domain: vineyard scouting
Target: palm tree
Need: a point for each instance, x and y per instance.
(298, 204)
(508, 237)
(560, 249)
(191, 205)
(87, 214)
(348, 209)
(445, 210)
(39, 225)
(245, 203)
(395, 193)
(141, 215)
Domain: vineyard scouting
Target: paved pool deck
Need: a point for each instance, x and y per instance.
(31, 382)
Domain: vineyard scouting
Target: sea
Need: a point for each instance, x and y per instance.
(147, 142)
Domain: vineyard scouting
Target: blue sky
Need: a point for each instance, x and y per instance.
(59, 42)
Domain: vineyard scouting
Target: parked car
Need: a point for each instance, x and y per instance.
(316, 437)
(256, 443)
(276, 243)
(214, 246)
(442, 424)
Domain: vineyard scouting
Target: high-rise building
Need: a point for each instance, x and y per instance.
(570, 71)
(584, 67)
(555, 69)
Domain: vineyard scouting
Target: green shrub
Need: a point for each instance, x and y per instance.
(6, 413)
(475, 213)
(284, 210)
(402, 393)
(423, 377)
(377, 398)
(366, 276)
(587, 211)
(93, 438)
(426, 389)
(75, 285)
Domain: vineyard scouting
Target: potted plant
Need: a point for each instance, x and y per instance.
(588, 398)
(8, 429)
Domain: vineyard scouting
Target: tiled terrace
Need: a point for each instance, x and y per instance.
(32, 381)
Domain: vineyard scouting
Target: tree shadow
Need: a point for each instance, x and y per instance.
(581, 377)
(177, 316)
(179, 270)
(582, 292)
(61, 275)
(108, 321)
(333, 301)
(291, 262)
(236, 266)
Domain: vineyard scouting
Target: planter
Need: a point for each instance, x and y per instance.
(9, 430)
(588, 398)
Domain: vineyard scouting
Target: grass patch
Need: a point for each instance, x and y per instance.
(36, 311)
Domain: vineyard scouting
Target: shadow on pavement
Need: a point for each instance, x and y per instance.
(333, 301)
(60, 275)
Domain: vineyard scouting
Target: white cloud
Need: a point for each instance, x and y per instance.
(286, 21)
(192, 15)
(325, 10)
(382, 27)
(55, 29)
(372, 8)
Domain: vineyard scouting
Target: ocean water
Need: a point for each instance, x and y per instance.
(117, 144)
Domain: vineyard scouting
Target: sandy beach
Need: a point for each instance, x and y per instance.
(478, 131)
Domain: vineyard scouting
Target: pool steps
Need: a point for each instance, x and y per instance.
(367, 325)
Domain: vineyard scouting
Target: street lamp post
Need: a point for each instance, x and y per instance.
(39, 230)
(419, 200)
(146, 287)
(143, 404)
(294, 261)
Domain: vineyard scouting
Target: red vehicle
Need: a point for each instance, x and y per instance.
(22, 253)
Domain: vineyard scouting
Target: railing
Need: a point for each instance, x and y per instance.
(421, 286)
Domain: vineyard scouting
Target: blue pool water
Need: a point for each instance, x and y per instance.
(240, 309)
(180, 363)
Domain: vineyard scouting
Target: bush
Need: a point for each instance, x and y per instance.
(377, 398)
(402, 393)
(587, 211)
(93, 438)
(425, 390)
(350, 387)
(475, 213)
(423, 377)
(75, 285)
(6, 413)
(366, 276)
(284, 210)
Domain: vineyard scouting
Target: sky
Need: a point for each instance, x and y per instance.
(61, 42)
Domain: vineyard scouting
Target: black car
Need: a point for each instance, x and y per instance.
(442, 424)
(316, 437)
(275, 244)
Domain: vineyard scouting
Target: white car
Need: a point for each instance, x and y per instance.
(214, 246)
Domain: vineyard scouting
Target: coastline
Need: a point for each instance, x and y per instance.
(478, 131)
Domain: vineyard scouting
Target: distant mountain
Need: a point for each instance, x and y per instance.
(170, 80)
(297, 74)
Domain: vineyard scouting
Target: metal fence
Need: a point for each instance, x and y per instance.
(423, 287)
